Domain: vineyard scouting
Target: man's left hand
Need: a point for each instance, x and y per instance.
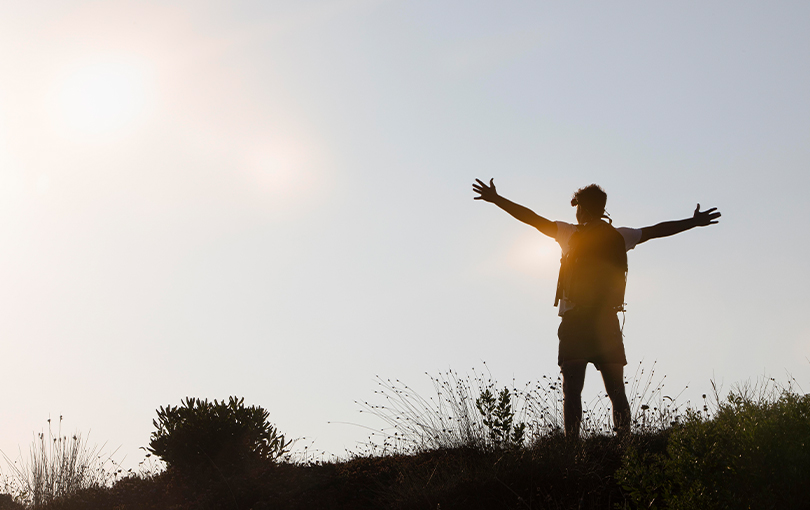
(707, 217)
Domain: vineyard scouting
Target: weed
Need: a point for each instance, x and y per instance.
(498, 418)
(150, 467)
(651, 409)
(473, 412)
(456, 417)
(752, 450)
(58, 466)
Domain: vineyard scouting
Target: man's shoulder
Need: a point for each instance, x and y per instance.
(631, 236)
(564, 233)
(628, 231)
(564, 230)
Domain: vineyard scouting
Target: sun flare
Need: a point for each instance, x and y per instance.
(103, 98)
(536, 255)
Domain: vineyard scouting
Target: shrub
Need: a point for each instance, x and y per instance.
(499, 419)
(753, 453)
(200, 435)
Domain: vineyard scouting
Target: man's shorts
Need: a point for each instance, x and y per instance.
(592, 335)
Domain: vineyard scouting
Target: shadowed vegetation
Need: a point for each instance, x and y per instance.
(475, 445)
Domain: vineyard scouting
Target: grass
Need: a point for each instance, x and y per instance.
(58, 466)
(450, 419)
(439, 452)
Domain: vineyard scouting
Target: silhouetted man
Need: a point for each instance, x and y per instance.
(590, 291)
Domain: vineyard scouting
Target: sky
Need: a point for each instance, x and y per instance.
(273, 199)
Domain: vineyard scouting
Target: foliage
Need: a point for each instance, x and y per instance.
(471, 412)
(652, 410)
(225, 436)
(464, 413)
(754, 452)
(750, 451)
(498, 418)
(58, 467)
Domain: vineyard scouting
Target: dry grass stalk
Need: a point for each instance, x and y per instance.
(58, 466)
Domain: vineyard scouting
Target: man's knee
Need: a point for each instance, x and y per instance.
(572, 388)
(613, 377)
(616, 392)
(573, 376)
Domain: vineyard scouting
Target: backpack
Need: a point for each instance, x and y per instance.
(593, 273)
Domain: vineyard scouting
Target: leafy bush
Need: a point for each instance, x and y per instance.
(200, 435)
(753, 453)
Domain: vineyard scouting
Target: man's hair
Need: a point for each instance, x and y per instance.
(592, 198)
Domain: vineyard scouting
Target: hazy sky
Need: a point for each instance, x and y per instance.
(273, 199)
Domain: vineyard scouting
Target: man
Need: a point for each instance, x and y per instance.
(591, 291)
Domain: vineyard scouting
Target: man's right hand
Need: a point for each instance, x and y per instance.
(486, 193)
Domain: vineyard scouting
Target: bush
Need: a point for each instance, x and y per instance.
(199, 435)
(499, 418)
(753, 453)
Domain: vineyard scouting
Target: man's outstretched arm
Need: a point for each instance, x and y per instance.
(668, 228)
(524, 214)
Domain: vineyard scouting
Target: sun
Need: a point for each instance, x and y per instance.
(103, 98)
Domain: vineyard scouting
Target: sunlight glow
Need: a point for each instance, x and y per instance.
(282, 168)
(535, 254)
(103, 98)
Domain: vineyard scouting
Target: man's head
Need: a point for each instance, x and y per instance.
(590, 203)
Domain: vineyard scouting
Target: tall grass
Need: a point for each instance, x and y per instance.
(58, 466)
(449, 418)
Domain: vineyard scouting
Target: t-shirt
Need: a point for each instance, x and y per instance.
(564, 231)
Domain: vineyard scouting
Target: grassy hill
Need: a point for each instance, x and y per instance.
(751, 450)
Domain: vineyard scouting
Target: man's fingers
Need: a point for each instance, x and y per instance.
(708, 214)
(487, 193)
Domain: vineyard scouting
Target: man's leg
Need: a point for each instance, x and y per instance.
(613, 375)
(573, 375)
